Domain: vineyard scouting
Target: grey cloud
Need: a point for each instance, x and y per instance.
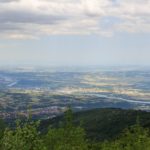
(7, 1)
(9, 27)
(24, 19)
(28, 17)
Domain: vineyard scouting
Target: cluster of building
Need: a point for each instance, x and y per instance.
(49, 112)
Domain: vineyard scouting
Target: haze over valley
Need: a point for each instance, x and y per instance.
(48, 91)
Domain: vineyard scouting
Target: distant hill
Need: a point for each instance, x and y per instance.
(102, 124)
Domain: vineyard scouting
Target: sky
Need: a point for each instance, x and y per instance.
(74, 32)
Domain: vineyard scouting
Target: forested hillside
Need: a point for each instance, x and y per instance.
(99, 129)
(103, 124)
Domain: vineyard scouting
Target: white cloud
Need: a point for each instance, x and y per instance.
(32, 18)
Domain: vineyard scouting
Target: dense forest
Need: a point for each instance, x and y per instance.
(99, 129)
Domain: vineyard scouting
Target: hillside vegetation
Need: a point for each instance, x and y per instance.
(102, 124)
(99, 129)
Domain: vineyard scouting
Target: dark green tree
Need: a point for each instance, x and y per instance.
(67, 137)
(24, 137)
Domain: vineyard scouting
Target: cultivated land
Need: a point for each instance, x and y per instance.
(48, 91)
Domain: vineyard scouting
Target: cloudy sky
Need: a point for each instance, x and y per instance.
(75, 32)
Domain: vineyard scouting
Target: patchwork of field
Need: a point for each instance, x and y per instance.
(48, 92)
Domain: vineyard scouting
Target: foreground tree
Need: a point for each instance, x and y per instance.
(24, 137)
(134, 138)
(68, 137)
